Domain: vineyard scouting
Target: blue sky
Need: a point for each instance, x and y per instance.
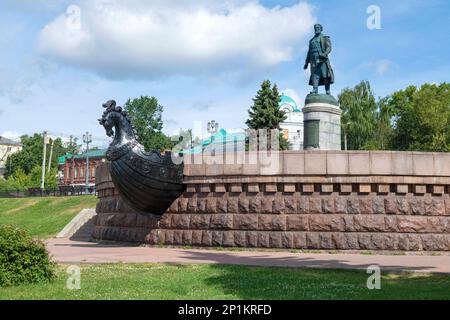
(202, 59)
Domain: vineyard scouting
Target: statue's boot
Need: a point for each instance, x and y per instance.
(327, 89)
(315, 90)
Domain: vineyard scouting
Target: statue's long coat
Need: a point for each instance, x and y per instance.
(325, 43)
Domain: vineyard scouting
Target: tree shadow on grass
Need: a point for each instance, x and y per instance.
(312, 278)
(269, 259)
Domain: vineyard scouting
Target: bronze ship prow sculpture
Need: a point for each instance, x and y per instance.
(148, 181)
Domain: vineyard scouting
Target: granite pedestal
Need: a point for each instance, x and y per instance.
(322, 123)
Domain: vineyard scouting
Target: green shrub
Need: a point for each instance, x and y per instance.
(23, 259)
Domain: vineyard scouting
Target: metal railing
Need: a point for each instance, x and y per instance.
(62, 191)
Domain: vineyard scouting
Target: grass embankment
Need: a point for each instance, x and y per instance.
(155, 281)
(43, 217)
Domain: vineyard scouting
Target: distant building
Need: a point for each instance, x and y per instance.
(292, 127)
(7, 148)
(72, 167)
(221, 142)
(227, 141)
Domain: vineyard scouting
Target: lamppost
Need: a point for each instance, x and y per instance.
(5, 160)
(45, 136)
(213, 128)
(87, 138)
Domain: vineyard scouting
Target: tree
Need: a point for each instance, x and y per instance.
(70, 146)
(29, 157)
(422, 121)
(50, 180)
(266, 114)
(145, 114)
(358, 116)
(18, 181)
(383, 131)
(31, 154)
(185, 139)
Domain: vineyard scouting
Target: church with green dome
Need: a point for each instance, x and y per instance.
(234, 140)
(292, 127)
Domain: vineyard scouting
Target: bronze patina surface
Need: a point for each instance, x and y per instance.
(148, 181)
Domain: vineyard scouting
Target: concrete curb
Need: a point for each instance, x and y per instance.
(77, 222)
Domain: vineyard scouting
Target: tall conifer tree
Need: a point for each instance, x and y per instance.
(265, 112)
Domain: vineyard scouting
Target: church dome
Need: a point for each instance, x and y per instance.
(287, 102)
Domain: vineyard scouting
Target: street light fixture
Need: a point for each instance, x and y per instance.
(213, 127)
(87, 138)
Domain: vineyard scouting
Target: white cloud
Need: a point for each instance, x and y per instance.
(20, 83)
(34, 5)
(294, 95)
(380, 67)
(139, 38)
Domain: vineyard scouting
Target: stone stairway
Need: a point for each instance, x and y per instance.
(81, 227)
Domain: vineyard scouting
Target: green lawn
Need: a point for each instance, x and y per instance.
(155, 281)
(43, 217)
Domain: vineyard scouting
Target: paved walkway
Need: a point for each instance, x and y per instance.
(66, 251)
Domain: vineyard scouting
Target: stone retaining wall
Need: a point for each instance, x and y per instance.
(359, 211)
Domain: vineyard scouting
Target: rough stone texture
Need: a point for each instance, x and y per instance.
(340, 205)
(366, 205)
(297, 223)
(233, 204)
(303, 205)
(328, 205)
(200, 221)
(290, 205)
(245, 222)
(255, 204)
(244, 204)
(378, 206)
(278, 205)
(326, 223)
(266, 204)
(434, 206)
(315, 205)
(180, 221)
(390, 205)
(369, 223)
(221, 221)
(299, 215)
(353, 205)
(271, 222)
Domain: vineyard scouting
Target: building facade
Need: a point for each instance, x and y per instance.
(7, 148)
(72, 168)
(221, 142)
(292, 127)
(235, 140)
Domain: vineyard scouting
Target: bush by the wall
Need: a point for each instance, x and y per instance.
(23, 259)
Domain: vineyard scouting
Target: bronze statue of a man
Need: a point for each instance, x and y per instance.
(321, 71)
